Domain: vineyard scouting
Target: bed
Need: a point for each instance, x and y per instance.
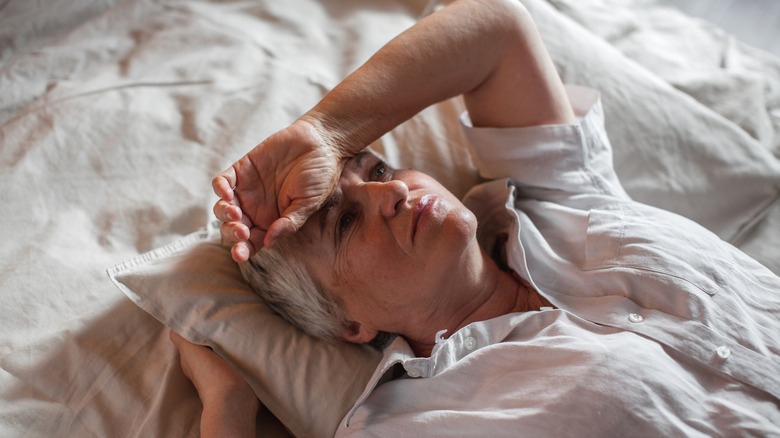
(115, 115)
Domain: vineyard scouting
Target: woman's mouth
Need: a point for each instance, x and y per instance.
(421, 209)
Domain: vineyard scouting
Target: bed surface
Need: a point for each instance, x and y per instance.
(115, 115)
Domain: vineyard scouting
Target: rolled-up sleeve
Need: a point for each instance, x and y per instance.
(574, 158)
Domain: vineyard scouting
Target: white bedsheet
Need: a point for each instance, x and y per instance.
(114, 116)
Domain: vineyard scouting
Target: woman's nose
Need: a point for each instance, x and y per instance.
(387, 196)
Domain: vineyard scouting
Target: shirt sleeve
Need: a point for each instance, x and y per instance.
(574, 158)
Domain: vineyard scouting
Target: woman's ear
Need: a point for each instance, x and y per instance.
(358, 333)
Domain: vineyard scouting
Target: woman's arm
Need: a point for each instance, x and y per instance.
(487, 50)
(229, 406)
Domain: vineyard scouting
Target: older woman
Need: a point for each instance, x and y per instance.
(392, 243)
(549, 297)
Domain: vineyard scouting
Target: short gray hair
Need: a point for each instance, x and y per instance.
(284, 281)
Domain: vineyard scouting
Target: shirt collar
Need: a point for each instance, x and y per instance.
(397, 352)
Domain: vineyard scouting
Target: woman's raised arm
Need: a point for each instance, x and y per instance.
(487, 50)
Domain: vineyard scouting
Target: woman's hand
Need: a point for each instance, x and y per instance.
(273, 189)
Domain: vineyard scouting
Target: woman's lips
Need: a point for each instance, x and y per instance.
(421, 209)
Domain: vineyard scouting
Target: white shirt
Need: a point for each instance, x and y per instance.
(661, 328)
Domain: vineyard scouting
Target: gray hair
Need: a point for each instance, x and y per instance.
(283, 280)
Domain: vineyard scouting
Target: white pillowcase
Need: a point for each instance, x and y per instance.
(670, 150)
(195, 288)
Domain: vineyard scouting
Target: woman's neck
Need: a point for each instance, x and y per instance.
(496, 293)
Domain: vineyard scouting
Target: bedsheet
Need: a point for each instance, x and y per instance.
(115, 114)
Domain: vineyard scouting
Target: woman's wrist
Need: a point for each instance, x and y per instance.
(343, 134)
(234, 396)
(229, 412)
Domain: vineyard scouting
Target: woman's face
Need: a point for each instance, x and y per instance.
(393, 246)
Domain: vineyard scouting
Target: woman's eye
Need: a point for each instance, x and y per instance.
(379, 170)
(345, 221)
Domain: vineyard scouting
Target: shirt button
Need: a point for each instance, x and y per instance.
(414, 373)
(470, 343)
(723, 352)
(635, 317)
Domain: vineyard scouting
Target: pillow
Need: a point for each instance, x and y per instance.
(670, 150)
(195, 288)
